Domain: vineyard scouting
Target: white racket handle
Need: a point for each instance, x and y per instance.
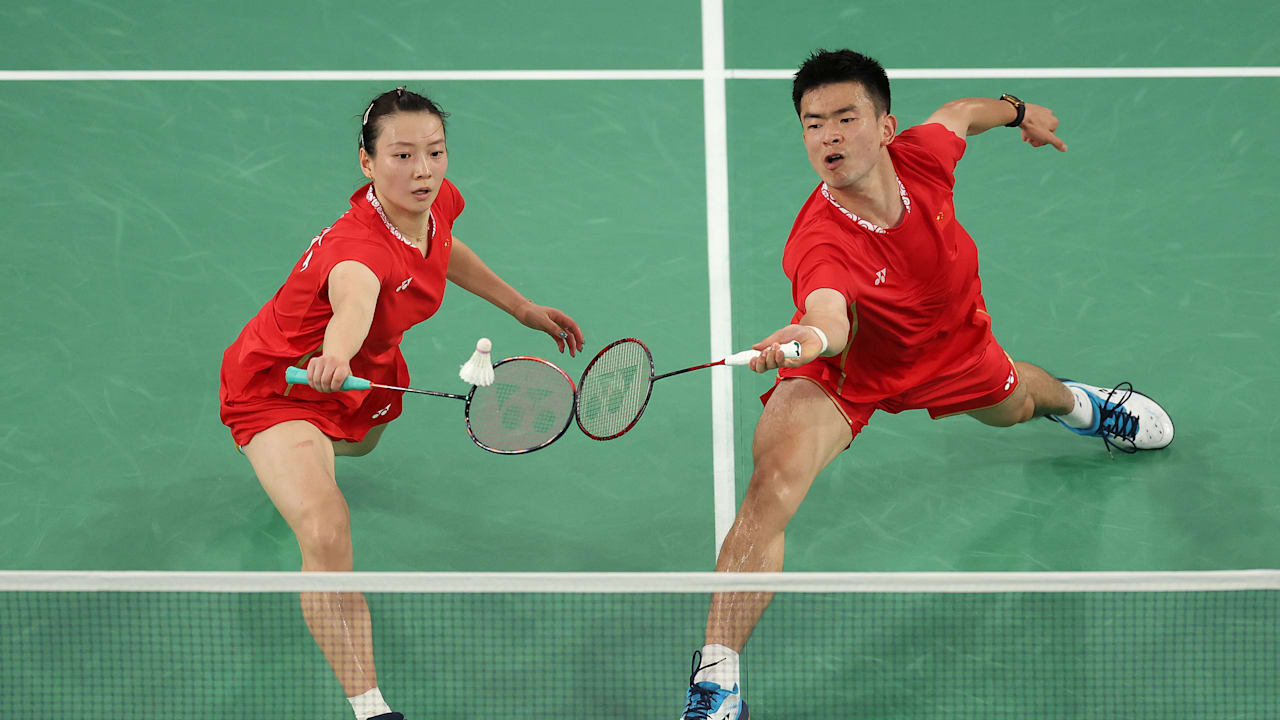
(791, 350)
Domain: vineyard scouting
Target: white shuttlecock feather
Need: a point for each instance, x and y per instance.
(479, 369)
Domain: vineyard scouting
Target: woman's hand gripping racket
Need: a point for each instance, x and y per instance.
(527, 407)
(615, 388)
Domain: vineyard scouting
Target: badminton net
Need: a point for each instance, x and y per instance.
(557, 645)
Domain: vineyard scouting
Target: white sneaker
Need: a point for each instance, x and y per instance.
(1124, 418)
(708, 701)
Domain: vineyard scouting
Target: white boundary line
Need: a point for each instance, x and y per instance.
(717, 69)
(633, 583)
(342, 75)
(719, 291)
(1038, 73)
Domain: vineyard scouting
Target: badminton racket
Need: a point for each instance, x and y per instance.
(528, 406)
(616, 385)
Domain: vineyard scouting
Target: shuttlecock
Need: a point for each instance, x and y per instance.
(479, 369)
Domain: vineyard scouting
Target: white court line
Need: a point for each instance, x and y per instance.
(738, 74)
(715, 134)
(1037, 73)
(341, 75)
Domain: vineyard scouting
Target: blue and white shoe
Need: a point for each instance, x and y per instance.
(1124, 418)
(708, 701)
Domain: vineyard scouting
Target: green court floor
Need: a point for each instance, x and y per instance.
(144, 222)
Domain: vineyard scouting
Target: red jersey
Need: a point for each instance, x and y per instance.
(290, 328)
(916, 297)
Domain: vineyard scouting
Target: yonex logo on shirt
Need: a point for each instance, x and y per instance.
(405, 284)
(381, 412)
(880, 275)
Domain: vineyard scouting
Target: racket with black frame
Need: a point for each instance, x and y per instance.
(528, 406)
(615, 387)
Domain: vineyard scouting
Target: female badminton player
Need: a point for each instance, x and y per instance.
(377, 271)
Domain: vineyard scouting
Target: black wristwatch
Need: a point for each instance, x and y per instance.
(1018, 105)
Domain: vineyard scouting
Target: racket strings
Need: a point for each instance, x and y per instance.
(615, 389)
(528, 405)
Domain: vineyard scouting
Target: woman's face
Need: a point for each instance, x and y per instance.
(409, 161)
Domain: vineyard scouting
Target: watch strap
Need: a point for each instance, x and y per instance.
(1019, 106)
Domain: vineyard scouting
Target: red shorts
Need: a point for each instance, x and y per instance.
(986, 379)
(251, 416)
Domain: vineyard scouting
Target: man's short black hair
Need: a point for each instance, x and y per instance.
(826, 67)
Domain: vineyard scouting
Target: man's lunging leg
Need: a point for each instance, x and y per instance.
(799, 433)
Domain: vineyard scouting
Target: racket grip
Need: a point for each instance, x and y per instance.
(298, 376)
(790, 349)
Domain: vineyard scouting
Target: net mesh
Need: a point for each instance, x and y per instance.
(614, 389)
(555, 654)
(529, 404)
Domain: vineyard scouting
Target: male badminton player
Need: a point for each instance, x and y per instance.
(377, 271)
(890, 316)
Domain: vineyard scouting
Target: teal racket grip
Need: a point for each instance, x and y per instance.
(298, 376)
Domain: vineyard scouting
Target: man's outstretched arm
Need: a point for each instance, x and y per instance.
(971, 116)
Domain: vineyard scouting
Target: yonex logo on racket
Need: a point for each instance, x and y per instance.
(611, 395)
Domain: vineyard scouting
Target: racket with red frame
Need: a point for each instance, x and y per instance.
(615, 387)
(528, 406)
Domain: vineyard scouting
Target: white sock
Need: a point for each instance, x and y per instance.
(368, 704)
(725, 671)
(1082, 415)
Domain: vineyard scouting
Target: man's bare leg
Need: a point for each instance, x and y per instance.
(800, 432)
(1038, 394)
